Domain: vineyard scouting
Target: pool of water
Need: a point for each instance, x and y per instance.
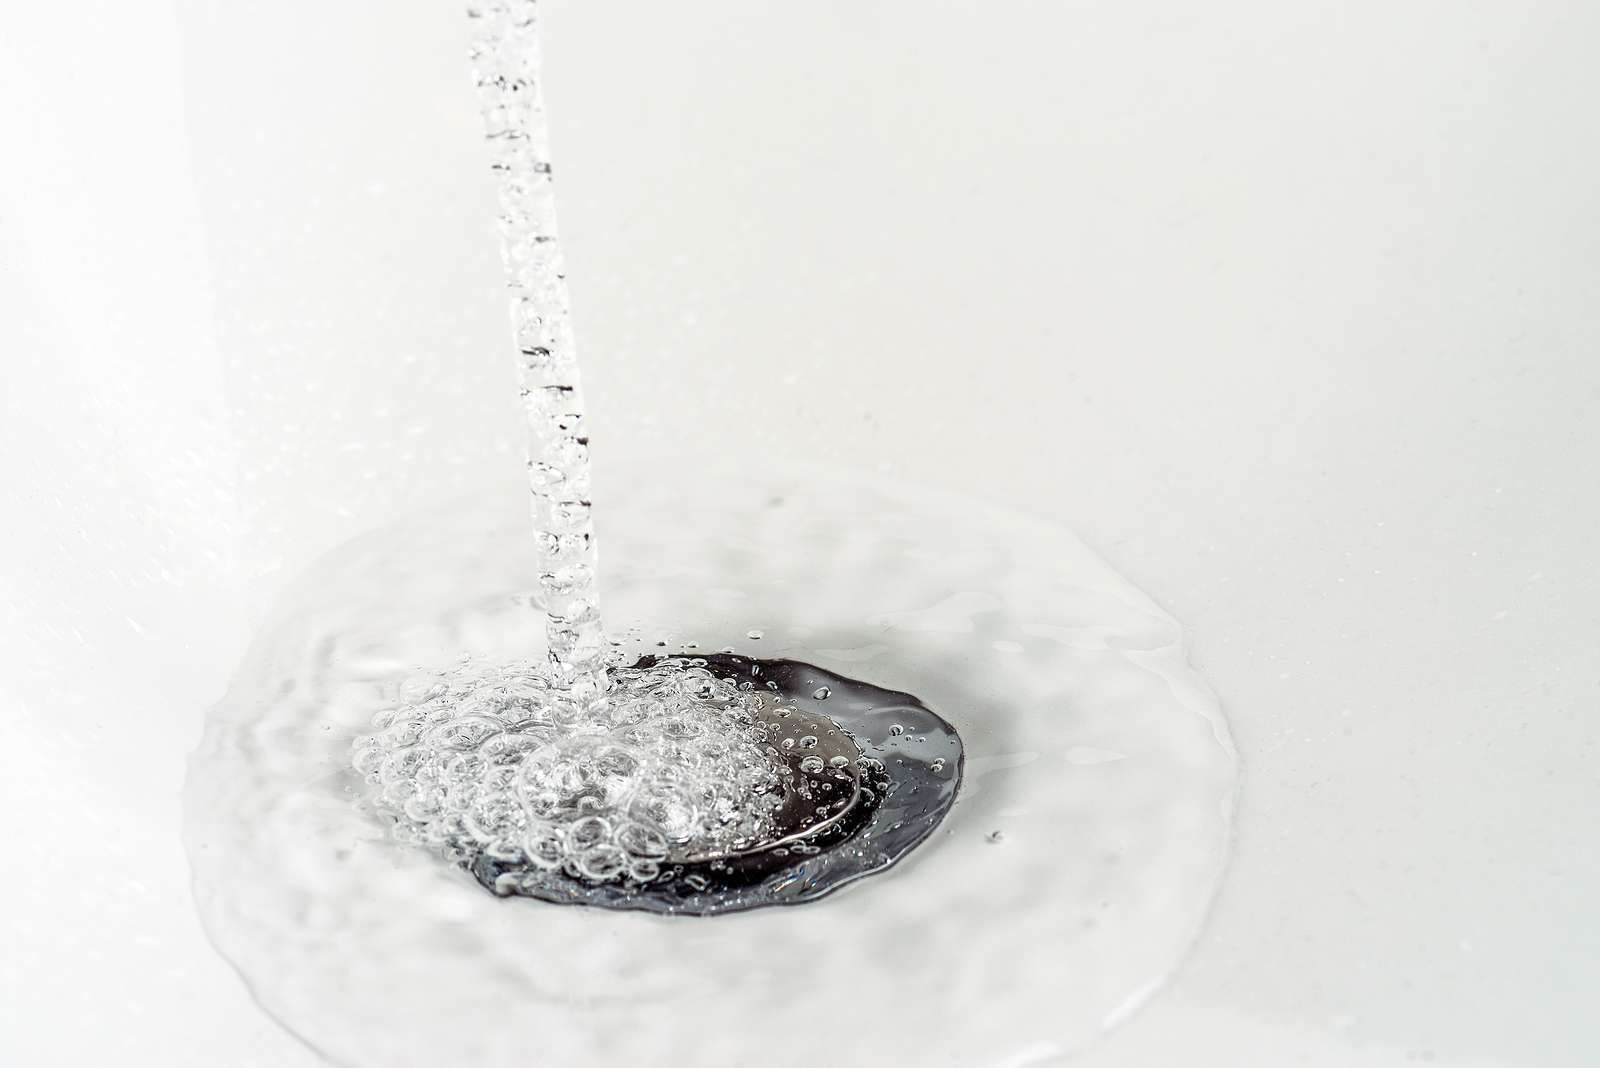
(1064, 886)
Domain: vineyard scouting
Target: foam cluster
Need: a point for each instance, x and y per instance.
(674, 763)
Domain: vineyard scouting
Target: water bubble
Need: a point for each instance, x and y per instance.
(642, 840)
(754, 635)
(601, 864)
(643, 871)
(821, 693)
(896, 730)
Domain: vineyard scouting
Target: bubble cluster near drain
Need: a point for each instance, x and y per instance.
(700, 785)
(490, 760)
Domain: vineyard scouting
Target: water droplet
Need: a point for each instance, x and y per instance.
(821, 693)
(896, 730)
(755, 635)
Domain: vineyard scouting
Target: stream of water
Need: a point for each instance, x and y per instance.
(674, 783)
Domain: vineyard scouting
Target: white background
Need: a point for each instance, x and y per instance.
(1289, 309)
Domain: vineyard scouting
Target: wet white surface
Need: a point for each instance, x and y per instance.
(968, 951)
(1288, 310)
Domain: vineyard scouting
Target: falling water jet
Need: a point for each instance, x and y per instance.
(675, 784)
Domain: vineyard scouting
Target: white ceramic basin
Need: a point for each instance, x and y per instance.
(1286, 309)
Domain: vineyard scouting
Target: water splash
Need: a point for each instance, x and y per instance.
(380, 954)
